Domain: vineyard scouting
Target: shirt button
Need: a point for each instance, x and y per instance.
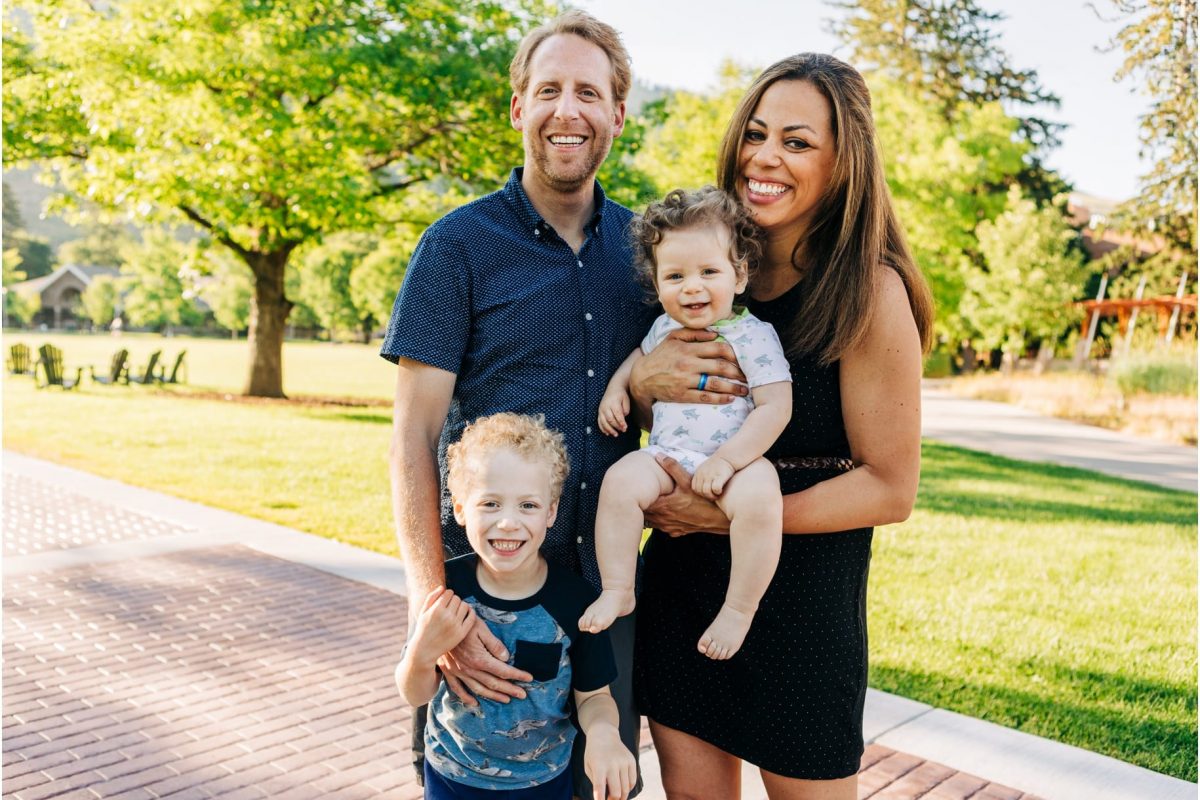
(583, 485)
(579, 540)
(588, 429)
(588, 316)
(537, 231)
(591, 373)
(580, 263)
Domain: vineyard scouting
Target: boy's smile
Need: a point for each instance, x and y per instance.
(506, 509)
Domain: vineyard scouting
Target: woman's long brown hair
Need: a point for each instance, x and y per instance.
(854, 229)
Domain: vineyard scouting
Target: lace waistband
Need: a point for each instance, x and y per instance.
(815, 462)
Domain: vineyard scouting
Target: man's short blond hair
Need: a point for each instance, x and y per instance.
(585, 26)
(524, 434)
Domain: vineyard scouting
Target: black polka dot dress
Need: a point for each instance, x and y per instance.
(791, 700)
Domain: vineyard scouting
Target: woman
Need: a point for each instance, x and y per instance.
(840, 286)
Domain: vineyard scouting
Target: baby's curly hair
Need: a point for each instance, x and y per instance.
(682, 209)
(527, 435)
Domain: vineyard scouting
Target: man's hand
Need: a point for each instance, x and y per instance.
(444, 621)
(711, 477)
(671, 372)
(614, 407)
(478, 667)
(608, 763)
(682, 511)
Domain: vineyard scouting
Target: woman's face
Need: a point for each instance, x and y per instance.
(786, 157)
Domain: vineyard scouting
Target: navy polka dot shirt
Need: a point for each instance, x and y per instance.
(495, 296)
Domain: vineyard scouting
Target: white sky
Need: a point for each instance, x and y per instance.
(680, 43)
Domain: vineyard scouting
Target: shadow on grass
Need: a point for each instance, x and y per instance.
(1068, 494)
(1137, 734)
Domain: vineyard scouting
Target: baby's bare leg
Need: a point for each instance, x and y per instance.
(630, 486)
(754, 506)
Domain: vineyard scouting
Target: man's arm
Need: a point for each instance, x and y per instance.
(671, 372)
(422, 401)
(608, 764)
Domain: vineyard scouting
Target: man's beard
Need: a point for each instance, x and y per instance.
(570, 179)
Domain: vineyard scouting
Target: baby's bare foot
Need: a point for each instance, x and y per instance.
(725, 635)
(611, 603)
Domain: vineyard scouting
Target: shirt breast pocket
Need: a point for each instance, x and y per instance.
(539, 659)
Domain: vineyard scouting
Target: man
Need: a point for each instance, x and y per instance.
(524, 301)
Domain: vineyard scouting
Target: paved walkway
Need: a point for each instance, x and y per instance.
(155, 648)
(1013, 432)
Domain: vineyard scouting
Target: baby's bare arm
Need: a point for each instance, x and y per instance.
(772, 410)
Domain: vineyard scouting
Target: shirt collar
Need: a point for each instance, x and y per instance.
(531, 220)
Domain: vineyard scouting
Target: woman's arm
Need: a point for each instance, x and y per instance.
(881, 407)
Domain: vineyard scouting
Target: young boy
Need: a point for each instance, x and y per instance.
(697, 249)
(505, 477)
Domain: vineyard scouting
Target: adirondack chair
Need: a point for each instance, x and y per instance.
(177, 372)
(51, 361)
(148, 375)
(18, 359)
(116, 370)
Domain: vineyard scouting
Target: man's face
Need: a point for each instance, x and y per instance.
(567, 114)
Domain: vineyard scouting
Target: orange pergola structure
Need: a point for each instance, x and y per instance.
(1163, 306)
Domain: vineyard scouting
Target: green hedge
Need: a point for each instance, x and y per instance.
(1151, 373)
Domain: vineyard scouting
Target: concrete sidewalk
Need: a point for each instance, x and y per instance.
(158, 648)
(1013, 432)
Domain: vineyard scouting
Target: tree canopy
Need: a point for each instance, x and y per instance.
(266, 125)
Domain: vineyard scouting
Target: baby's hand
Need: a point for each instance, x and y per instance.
(608, 764)
(445, 620)
(614, 407)
(711, 477)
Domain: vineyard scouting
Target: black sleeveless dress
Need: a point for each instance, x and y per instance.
(791, 700)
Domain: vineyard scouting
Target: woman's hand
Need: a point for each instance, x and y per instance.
(671, 372)
(681, 511)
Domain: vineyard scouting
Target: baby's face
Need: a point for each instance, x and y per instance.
(506, 505)
(696, 280)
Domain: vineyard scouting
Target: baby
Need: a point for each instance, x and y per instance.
(506, 475)
(698, 249)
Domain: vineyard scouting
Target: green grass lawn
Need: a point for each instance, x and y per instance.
(1048, 599)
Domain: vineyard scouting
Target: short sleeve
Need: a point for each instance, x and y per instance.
(431, 318)
(592, 663)
(658, 331)
(760, 354)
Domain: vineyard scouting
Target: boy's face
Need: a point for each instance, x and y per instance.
(696, 280)
(506, 507)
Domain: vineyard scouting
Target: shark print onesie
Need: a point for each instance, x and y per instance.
(691, 432)
(525, 742)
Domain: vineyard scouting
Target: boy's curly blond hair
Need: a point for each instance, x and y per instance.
(526, 435)
(682, 209)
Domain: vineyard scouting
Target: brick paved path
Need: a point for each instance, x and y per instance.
(224, 672)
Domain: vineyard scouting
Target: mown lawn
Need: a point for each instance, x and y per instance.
(1048, 599)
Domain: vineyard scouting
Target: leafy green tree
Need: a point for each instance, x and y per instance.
(101, 300)
(325, 279)
(227, 288)
(945, 50)
(1159, 45)
(1032, 276)
(679, 149)
(266, 125)
(151, 282)
(100, 246)
(18, 308)
(374, 281)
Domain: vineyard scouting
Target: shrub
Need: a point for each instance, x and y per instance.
(1156, 373)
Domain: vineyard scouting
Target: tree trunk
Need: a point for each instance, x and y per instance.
(269, 311)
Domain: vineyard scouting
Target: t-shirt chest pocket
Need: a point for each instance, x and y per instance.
(539, 659)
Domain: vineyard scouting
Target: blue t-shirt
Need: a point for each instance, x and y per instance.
(495, 296)
(523, 742)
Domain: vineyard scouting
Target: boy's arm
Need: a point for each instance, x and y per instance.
(772, 410)
(614, 406)
(607, 762)
(444, 621)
